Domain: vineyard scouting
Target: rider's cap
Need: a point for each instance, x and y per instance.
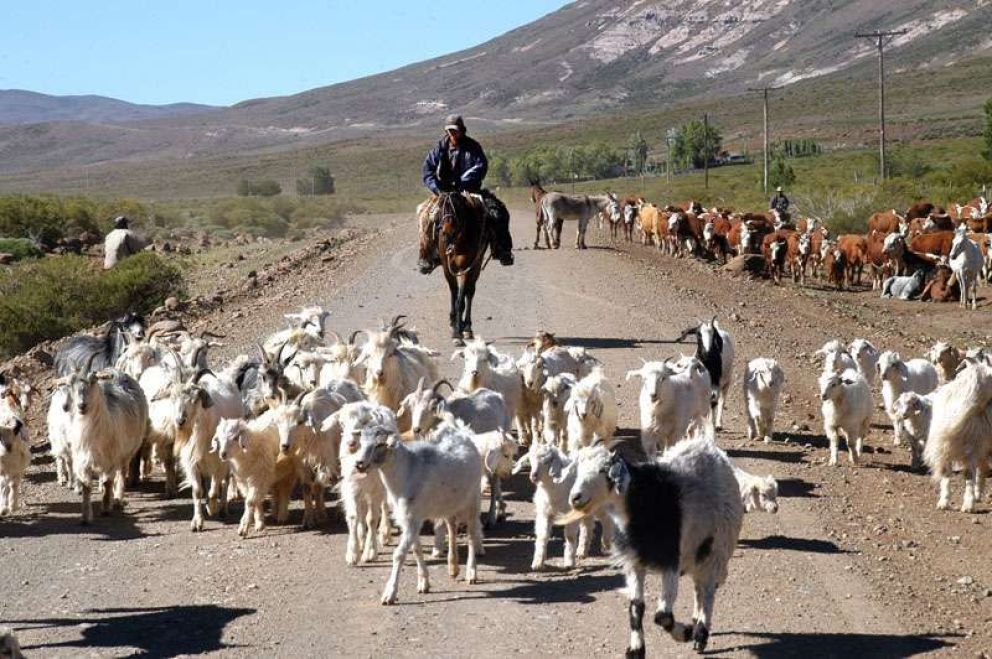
(454, 122)
(778, 189)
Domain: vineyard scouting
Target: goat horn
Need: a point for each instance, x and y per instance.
(299, 398)
(261, 352)
(354, 335)
(89, 362)
(438, 384)
(196, 355)
(201, 373)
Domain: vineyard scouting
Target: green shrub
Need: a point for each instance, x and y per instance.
(20, 248)
(55, 297)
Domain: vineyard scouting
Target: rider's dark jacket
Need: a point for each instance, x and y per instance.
(779, 203)
(459, 168)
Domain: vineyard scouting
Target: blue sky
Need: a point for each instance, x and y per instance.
(222, 51)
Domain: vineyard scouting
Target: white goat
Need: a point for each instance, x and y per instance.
(961, 432)
(555, 392)
(484, 367)
(897, 377)
(107, 425)
(912, 415)
(438, 479)
(757, 493)
(119, 244)
(671, 401)
(591, 411)
(681, 514)
(866, 358)
(546, 466)
(363, 498)
(946, 359)
(394, 366)
(846, 409)
(251, 448)
(763, 383)
(836, 358)
(482, 410)
(57, 422)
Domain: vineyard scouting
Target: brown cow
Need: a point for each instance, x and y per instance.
(855, 250)
(775, 249)
(646, 218)
(835, 267)
(886, 222)
(980, 224)
(923, 210)
(933, 244)
(880, 262)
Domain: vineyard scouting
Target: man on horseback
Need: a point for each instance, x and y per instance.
(457, 163)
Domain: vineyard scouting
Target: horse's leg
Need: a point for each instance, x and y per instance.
(453, 313)
(468, 294)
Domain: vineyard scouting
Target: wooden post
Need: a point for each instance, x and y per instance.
(880, 37)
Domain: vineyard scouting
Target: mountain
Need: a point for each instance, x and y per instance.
(18, 106)
(590, 58)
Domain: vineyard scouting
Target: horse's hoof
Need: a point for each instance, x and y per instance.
(468, 335)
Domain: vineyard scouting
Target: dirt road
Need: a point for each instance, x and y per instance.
(856, 563)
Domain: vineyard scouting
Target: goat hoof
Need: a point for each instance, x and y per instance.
(664, 620)
(389, 599)
(635, 653)
(700, 637)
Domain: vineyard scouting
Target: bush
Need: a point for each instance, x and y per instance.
(264, 188)
(55, 297)
(20, 248)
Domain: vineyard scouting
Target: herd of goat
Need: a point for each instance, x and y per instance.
(926, 253)
(369, 415)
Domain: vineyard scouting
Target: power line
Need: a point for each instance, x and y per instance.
(764, 92)
(880, 37)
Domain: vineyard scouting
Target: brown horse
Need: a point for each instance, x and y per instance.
(462, 240)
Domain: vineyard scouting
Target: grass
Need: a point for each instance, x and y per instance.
(20, 248)
(55, 297)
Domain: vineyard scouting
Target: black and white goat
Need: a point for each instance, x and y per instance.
(99, 351)
(680, 514)
(715, 349)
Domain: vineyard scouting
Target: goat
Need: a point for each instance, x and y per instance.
(546, 465)
(961, 432)
(681, 514)
(426, 480)
(898, 376)
(554, 397)
(715, 349)
(911, 421)
(394, 366)
(99, 351)
(14, 460)
(846, 409)
(482, 410)
(120, 243)
(108, 418)
(363, 498)
(836, 358)
(672, 401)
(591, 411)
(946, 359)
(904, 288)
(251, 448)
(865, 357)
(485, 367)
(757, 493)
(763, 382)
(966, 262)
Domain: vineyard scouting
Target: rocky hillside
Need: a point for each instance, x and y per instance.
(592, 57)
(18, 106)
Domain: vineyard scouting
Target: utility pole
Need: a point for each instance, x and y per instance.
(881, 38)
(764, 92)
(706, 150)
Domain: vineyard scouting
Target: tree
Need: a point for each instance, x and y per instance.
(318, 181)
(639, 152)
(499, 170)
(696, 144)
(780, 173)
(263, 188)
(987, 153)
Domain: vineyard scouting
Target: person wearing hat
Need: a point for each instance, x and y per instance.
(780, 203)
(457, 163)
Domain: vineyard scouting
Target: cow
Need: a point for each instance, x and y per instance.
(775, 249)
(934, 244)
(943, 287)
(886, 222)
(855, 250)
(835, 266)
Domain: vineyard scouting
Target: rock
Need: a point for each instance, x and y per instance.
(965, 581)
(172, 303)
(6, 259)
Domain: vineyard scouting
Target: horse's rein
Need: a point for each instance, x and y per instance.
(448, 205)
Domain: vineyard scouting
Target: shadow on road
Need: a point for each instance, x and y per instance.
(808, 545)
(778, 456)
(878, 646)
(114, 527)
(796, 488)
(156, 632)
(594, 342)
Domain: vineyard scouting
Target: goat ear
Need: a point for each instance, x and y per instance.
(618, 475)
(639, 373)
(491, 461)
(332, 423)
(442, 407)
(241, 441)
(563, 474)
(458, 354)
(521, 464)
(206, 399)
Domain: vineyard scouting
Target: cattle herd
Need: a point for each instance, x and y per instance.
(925, 253)
(309, 412)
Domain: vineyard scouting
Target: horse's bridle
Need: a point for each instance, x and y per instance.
(447, 210)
